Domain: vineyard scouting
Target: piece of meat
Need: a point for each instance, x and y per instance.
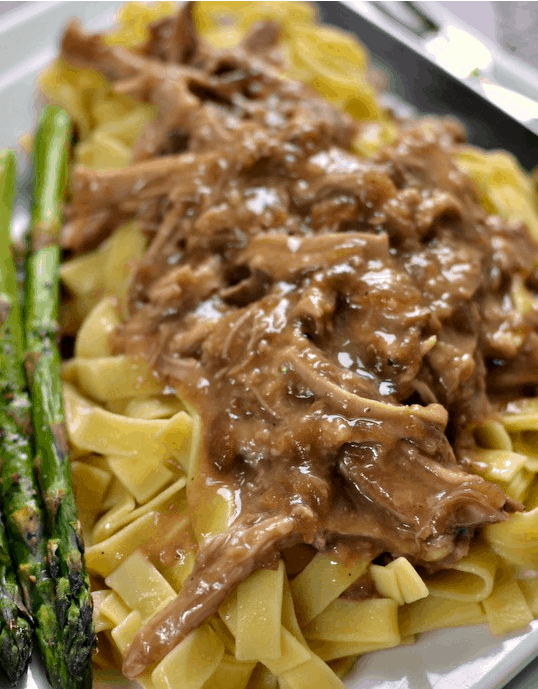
(423, 509)
(175, 39)
(200, 104)
(262, 38)
(222, 562)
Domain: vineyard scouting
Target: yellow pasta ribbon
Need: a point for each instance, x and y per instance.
(471, 579)
(504, 186)
(323, 580)
(107, 271)
(114, 609)
(293, 652)
(124, 512)
(136, 454)
(529, 588)
(492, 434)
(153, 407)
(143, 475)
(435, 613)
(262, 678)
(101, 622)
(194, 660)
(103, 558)
(335, 650)
(124, 632)
(81, 275)
(120, 513)
(141, 585)
(506, 608)
(516, 540)
(90, 484)
(289, 616)
(115, 378)
(399, 580)
(177, 574)
(497, 465)
(259, 613)
(230, 674)
(370, 621)
(94, 334)
(520, 485)
(313, 674)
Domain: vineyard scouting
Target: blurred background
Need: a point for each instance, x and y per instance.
(513, 25)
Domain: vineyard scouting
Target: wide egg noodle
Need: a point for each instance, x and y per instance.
(294, 652)
(374, 620)
(122, 429)
(104, 557)
(124, 512)
(506, 609)
(140, 585)
(504, 187)
(231, 674)
(516, 540)
(386, 582)
(493, 434)
(399, 581)
(520, 485)
(101, 622)
(499, 466)
(259, 615)
(115, 378)
(435, 613)
(193, 661)
(122, 636)
(92, 341)
(90, 485)
(99, 274)
(153, 407)
(470, 579)
(321, 582)
(116, 494)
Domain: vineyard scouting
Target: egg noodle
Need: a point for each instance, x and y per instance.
(134, 444)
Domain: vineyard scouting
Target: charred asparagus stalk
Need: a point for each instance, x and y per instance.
(65, 548)
(15, 621)
(24, 522)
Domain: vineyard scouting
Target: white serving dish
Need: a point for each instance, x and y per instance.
(464, 658)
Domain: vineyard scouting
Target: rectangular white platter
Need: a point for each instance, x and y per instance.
(465, 658)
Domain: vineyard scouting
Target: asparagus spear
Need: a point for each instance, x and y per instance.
(18, 486)
(15, 621)
(65, 548)
(24, 516)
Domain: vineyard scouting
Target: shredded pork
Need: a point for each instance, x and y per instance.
(338, 322)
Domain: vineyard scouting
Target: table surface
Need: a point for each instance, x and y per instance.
(482, 16)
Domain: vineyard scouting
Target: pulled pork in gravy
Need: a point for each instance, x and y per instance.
(338, 322)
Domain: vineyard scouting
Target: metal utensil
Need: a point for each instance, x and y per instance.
(439, 67)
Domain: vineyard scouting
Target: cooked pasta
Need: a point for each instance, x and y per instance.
(135, 445)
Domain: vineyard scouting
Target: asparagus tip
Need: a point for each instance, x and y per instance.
(16, 649)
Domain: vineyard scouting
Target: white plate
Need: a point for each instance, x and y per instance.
(465, 658)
